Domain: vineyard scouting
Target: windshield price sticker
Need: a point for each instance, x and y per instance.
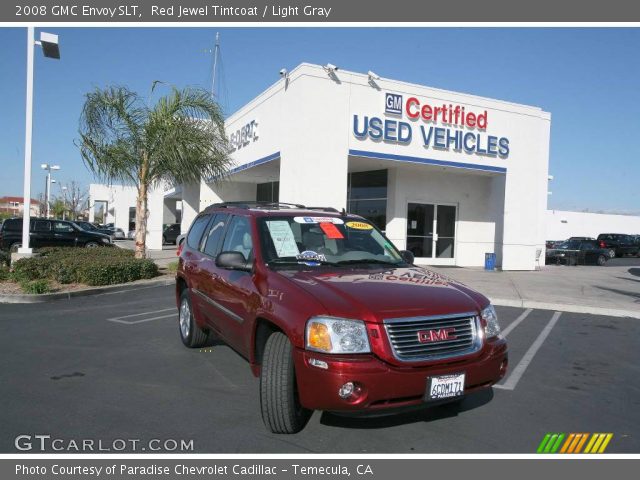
(359, 226)
(283, 238)
(337, 221)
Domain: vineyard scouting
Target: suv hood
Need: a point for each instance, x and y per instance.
(374, 294)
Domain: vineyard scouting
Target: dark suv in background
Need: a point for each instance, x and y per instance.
(49, 233)
(618, 244)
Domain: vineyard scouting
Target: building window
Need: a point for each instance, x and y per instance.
(268, 192)
(367, 196)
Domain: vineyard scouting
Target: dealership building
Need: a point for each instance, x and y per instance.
(447, 175)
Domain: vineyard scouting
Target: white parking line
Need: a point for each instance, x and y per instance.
(131, 322)
(516, 322)
(516, 375)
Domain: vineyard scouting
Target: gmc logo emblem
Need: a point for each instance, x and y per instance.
(440, 335)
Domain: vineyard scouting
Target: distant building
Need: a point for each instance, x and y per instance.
(15, 206)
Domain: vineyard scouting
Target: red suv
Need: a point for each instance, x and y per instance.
(329, 314)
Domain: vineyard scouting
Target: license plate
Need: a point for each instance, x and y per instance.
(445, 386)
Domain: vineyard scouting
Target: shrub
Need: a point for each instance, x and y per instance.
(92, 266)
(35, 287)
(4, 274)
(5, 258)
(172, 267)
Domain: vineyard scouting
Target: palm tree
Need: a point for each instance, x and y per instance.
(178, 140)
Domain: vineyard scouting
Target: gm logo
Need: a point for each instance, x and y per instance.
(393, 103)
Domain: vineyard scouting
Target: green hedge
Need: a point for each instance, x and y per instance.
(91, 266)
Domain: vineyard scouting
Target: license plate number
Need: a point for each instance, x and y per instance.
(445, 386)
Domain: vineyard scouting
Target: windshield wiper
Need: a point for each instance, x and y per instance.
(295, 261)
(367, 260)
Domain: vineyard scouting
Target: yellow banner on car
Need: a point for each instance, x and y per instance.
(359, 225)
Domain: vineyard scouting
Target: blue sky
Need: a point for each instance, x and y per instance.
(586, 78)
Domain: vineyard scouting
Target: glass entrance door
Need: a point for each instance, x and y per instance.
(431, 230)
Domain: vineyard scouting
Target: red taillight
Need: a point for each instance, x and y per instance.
(179, 250)
(602, 245)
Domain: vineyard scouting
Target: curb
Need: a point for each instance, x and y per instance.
(85, 292)
(565, 307)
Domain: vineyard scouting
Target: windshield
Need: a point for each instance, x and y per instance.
(86, 226)
(570, 245)
(323, 240)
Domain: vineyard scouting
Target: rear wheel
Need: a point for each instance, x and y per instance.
(190, 333)
(602, 260)
(14, 247)
(164, 239)
(279, 400)
(612, 253)
(91, 245)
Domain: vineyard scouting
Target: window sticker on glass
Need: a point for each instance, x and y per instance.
(283, 238)
(331, 231)
(335, 220)
(359, 226)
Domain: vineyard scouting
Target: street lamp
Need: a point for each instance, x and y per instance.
(64, 202)
(50, 49)
(47, 190)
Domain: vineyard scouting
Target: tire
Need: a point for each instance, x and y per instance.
(190, 333)
(91, 245)
(279, 401)
(164, 239)
(14, 247)
(601, 261)
(612, 253)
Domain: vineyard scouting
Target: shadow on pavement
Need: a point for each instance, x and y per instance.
(621, 292)
(634, 271)
(419, 414)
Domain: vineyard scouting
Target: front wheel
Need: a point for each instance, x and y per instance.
(279, 400)
(14, 247)
(190, 333)
(602, 260)
(91, 245)
(612, 253)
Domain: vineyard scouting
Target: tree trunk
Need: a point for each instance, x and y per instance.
(142, 213)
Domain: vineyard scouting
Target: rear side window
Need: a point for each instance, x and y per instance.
(42, 226)
(214, 235)
(197, 229)
(62, 227)
(12, 225)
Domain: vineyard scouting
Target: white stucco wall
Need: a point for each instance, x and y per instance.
(307, 122)
(562, 224)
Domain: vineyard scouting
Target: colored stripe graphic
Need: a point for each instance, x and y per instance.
(574, 443)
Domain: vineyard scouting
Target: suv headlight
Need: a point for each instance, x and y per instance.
(105, 239)
(336, 335)
(490, 316)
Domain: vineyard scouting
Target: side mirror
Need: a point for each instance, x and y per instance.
(407, 256)
(232, 261)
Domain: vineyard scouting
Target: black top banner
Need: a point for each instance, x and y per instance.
(318, 11)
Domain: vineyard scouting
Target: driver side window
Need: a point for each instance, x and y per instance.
(238, 238)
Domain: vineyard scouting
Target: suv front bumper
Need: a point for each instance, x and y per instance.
(384, 386)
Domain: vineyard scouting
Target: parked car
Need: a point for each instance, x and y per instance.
(580, 238)
(49, 233)
(180, 238)
(131, 234)
(618, 244)
(90, 227)
(553, 243)
(170, 233)
(330, 314)
(578, 252)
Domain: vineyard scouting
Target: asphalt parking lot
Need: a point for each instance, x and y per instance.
(112, 367)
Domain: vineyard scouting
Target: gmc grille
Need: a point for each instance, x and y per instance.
(405, 333)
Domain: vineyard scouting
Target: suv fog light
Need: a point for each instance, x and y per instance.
(346, 390)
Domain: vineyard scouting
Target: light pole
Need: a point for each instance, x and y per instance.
(48, 167)
(49, 44)
(64, 202)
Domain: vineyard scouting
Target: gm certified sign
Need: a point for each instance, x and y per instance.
(393, 104)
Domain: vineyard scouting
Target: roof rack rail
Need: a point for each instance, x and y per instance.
(324, 209)
(255, 204)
